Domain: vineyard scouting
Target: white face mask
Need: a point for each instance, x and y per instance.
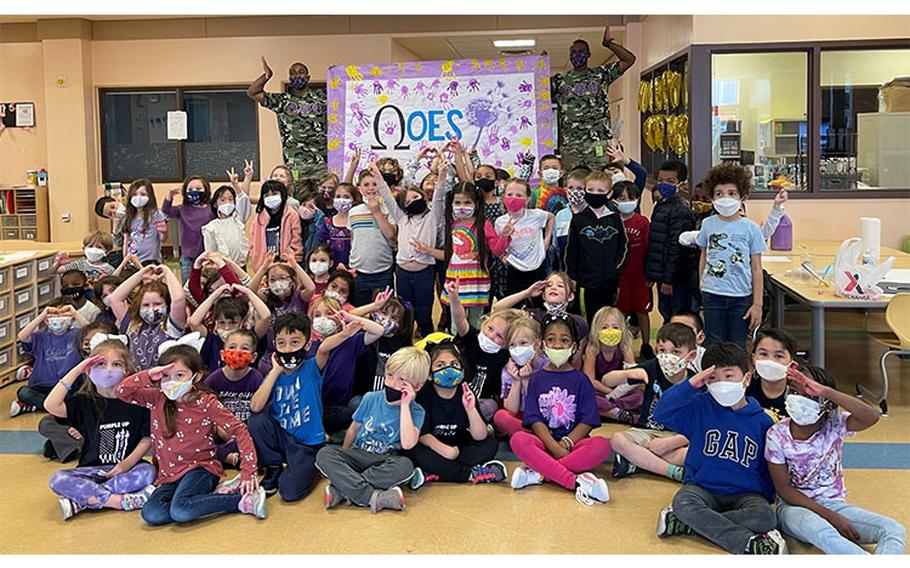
(626, 207)
(93, 254)
(521, 354)
(727, 206)
(462, 213)
(618, 177)
(671, 363)
(120, 212)
(58, 325)
(770, 370)
(226, 209)
(550, 176)
(487, 345)
(342, 204)
(139, 201)
(324, 326)
(727, 393)
(804, 411)
(280, 288)
(319, 268)
(335, 296)
(272, 201)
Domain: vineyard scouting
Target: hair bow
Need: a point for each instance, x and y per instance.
(100, 338)
(194, 340)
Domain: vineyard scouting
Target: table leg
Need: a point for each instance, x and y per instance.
(779, 300)
(817, 356)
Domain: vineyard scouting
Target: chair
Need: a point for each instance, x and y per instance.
(897, 316)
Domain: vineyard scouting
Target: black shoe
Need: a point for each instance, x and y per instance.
(49, 451)
(646, 352)
(622, 467)
(270, 480)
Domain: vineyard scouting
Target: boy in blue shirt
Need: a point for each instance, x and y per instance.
(286, 419)
(727, 489)
(730, 262)
(367, 469)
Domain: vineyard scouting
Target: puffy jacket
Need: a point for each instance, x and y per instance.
(667, 261)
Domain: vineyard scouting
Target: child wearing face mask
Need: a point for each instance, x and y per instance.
(804, 454)
(372, 234)
(730, 262)
(597, 246)
(311, 218)
(694, 322)
(609, 349)
(74, 286)
(97, 245)
(54, 350)
(530, 231)
(102, 289)
(111, 472)
(634, 293)
(192, 215)
(560, 413)
(367, 470)
(772, 354)
(115, 211)
(649, 445)
(276, 227)
(525, 359)
(397, 323)
(185, 419)
(234, 384)
(335, 231)
(486, 181)
(341, 287)
(575, 199)
(283, 285)
(210, 270)
(455, 444)
(286, 420)
(226, 232)
(229, 305)
(726, 491)
(156, 312)
(558, 294)
(549, 196)
(282, 174)
(319, 263)
(144, 226)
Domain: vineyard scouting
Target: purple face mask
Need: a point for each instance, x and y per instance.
(578, 59)
(106, 378)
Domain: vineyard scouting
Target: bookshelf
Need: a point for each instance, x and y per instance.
(24, 213)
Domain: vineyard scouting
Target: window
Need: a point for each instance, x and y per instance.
(222, 131)
(759, 112)
(863, 132)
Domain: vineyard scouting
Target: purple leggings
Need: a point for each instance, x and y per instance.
(82, 483)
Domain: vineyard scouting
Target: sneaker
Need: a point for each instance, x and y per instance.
(770, 542)
(622, 467)
(229, 486)
(331, 497)
(23, 373)
(48, 451)
(389, 499)
(524, 476)
(590, 489)
(646, 352)
(491, 472)
(68, 508)
(418, 479)
(133, 501)
(669, 525)
(18, 407)
(254, 504)
(270, 479)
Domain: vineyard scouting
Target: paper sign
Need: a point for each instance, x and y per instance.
(176, 125)
(25, 115)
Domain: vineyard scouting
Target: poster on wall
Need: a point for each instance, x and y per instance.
(500, 106)
(17, 115)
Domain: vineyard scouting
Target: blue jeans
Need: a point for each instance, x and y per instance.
(724, 318)
(888, 535)
(188, 499)
(418, 288)
(680, 299)
(366, 285)
(186, 264)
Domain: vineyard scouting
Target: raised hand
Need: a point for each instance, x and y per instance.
(266, 68)
(701, 378)
(616, 155)
(91, 362)
(172, 192)
(156, 373)
(407, 392)
(780, 199)
(355, 158)
(232, 175)
(808, 386)
(509, 228)
(451, 288)
(247, 168)
(468, 400)
(382, 297)
(537, 288)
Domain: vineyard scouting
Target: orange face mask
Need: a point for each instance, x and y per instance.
(236, 358)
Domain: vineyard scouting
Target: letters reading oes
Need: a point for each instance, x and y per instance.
(427, 123)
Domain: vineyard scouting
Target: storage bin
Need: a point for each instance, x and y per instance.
(6, 359)
(11, 234)
(9, 221)
(6, 304)
(25, 319)
(23, 273)
(46, 292)
(24, 299)
(6, 332)
(5, 283)
(45, 267)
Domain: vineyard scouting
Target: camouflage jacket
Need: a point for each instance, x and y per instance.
(301, 124)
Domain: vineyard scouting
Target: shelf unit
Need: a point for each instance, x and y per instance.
(28, 282)
(24, 213)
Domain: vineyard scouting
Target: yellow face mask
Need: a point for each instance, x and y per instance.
(610, 336)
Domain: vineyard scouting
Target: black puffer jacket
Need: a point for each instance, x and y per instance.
(667, 261)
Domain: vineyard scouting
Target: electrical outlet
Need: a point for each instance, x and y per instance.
(65, 217)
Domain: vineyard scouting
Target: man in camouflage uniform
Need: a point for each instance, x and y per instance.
(582, 100)
(301, 114)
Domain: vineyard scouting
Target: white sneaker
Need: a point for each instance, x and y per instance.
(18, 407)
(68, 509)
(524, 476)
(254, 504)
(591, 489)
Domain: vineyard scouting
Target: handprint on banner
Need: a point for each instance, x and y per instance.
(453, 88)
(473, 85)
(377, 88)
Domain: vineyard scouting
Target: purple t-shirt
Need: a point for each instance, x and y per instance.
(537, 363)
(54, 356)
(814, 466)
(191, 220)
(338, 239)
(602, 366)
(338, 375)
(561, 400)
(235, 395)
(211, 351)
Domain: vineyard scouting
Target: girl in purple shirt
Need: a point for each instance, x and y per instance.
(192, 215)
(610, 349)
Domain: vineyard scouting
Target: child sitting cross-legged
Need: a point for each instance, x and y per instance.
(649, 445)
(560, 411)
(367, 470)
(525, 359)
(727, 490)
(610, 349)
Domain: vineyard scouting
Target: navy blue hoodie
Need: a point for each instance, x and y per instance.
(726, 447)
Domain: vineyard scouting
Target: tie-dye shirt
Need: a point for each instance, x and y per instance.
(815, 466)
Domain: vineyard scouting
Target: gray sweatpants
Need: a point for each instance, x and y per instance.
(729, 521)
(356, 473)
(65, 446)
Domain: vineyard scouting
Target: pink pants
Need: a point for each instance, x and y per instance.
(587, 454)
(507, 422)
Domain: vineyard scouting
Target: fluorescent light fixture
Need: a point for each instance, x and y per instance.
(514, 42)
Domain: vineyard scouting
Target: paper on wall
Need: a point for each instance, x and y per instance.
(176, 125)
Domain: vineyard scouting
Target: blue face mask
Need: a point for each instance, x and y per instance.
(298, 82)
(578, 59)
(448, 377)
(194, 197)
(666, 189)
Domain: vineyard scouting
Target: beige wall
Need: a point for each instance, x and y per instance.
(663, 36)
(753, 29)
(22, 79)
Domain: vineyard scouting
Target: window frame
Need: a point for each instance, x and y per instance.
(700, 110)
(181, 156)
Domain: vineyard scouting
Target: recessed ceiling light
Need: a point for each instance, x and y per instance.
(514, 42)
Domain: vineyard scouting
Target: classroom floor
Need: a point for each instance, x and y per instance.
(449, 518)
